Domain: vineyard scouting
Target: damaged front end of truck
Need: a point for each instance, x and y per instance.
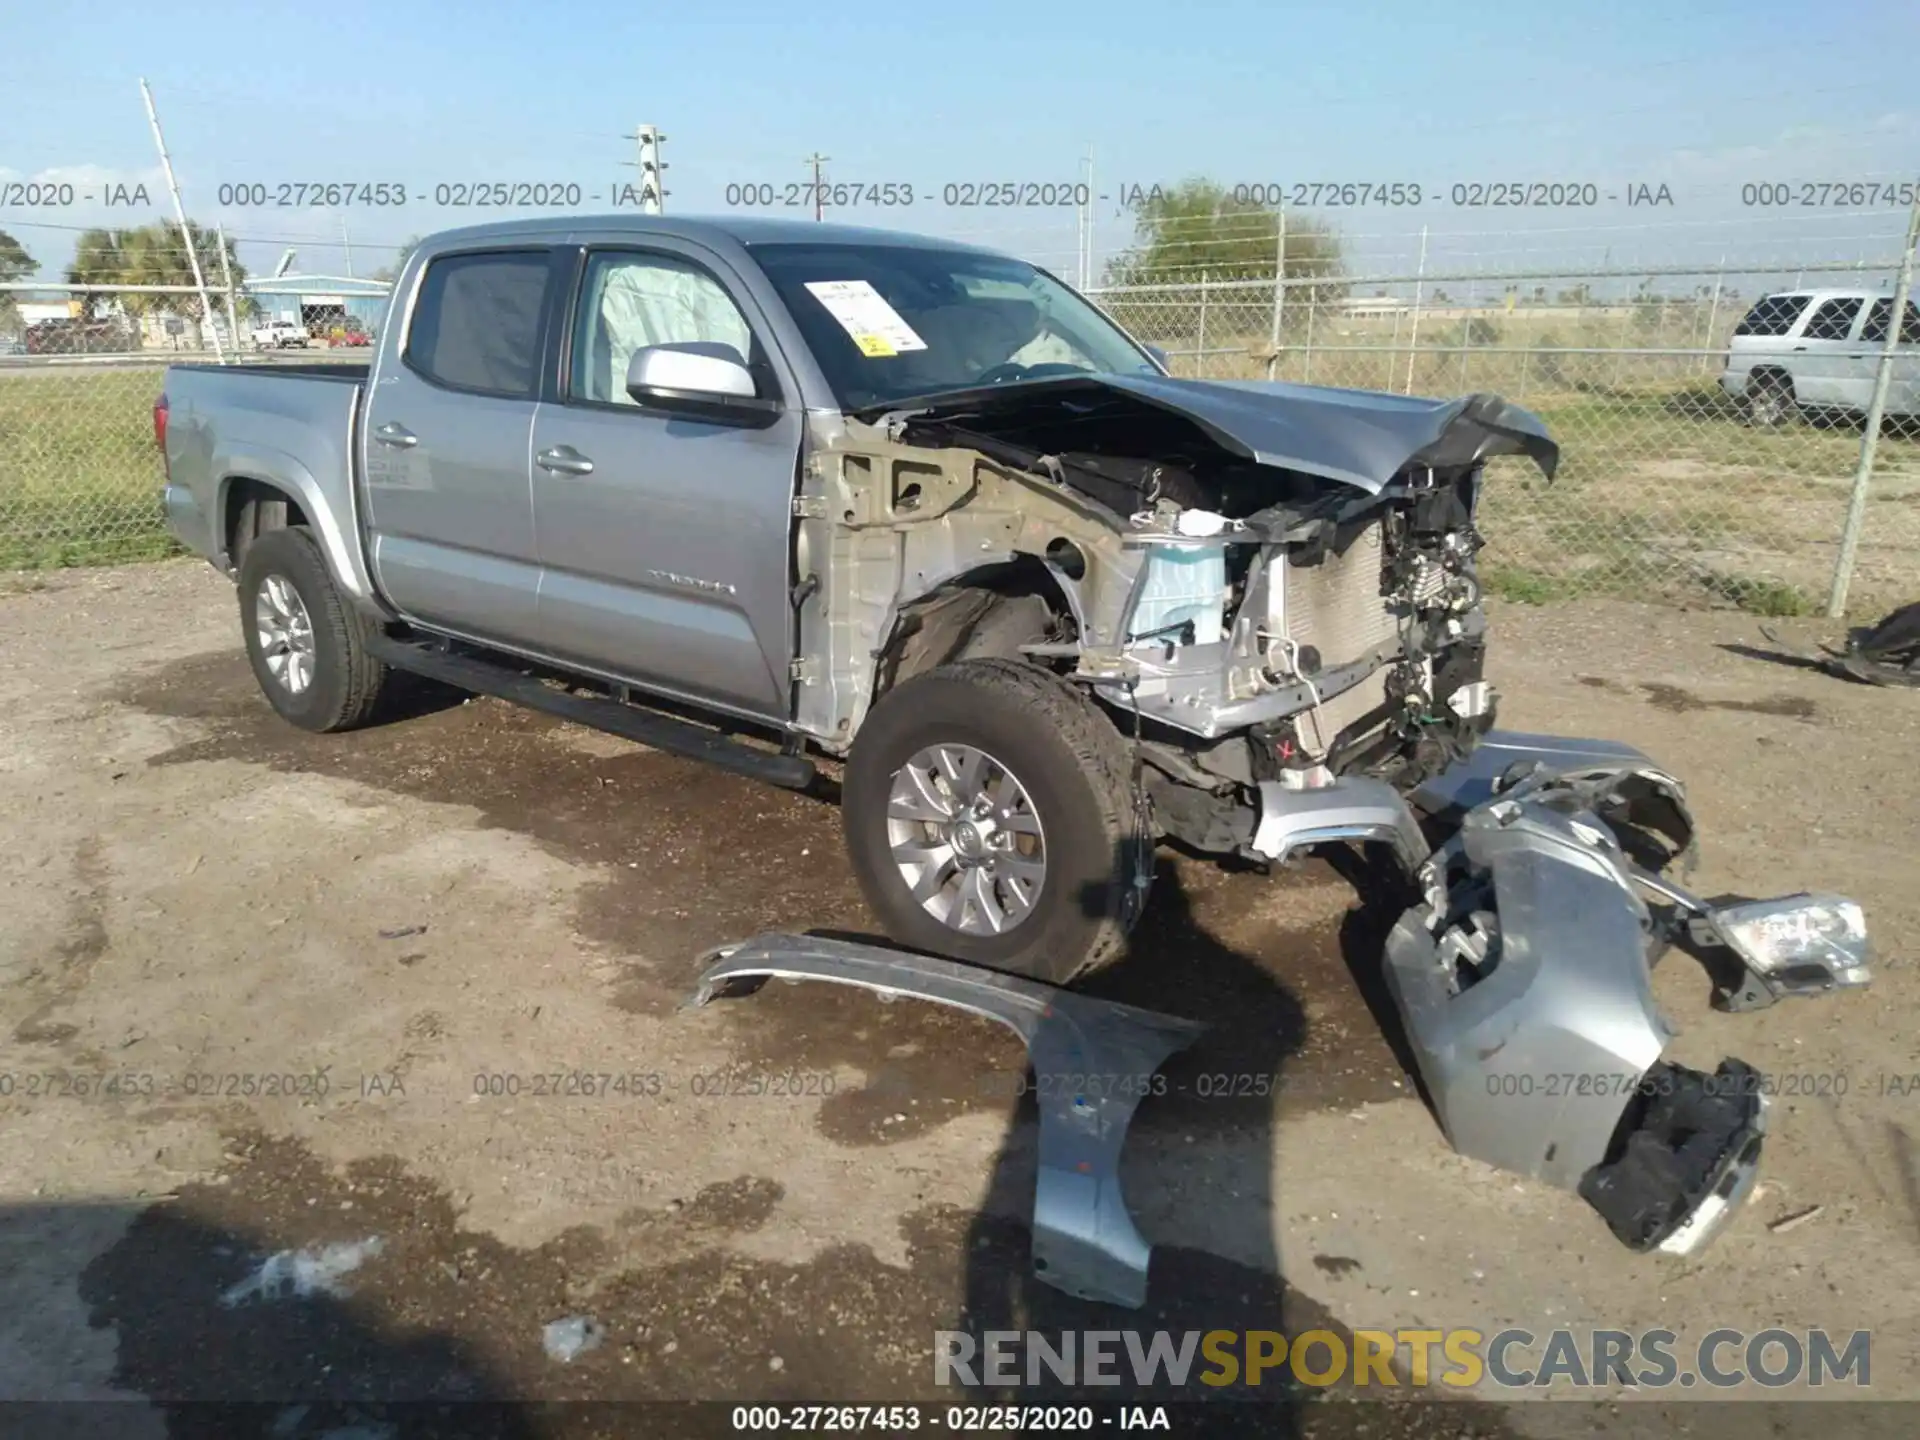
(1272, 591)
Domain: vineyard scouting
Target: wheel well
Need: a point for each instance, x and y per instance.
(1765, 373)
(990, 611)
(253, 507)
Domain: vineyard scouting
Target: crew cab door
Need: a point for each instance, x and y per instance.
(665, 537)
(1824, 366)
(449, 420)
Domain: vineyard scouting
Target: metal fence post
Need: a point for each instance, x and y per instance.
(1313, 309)
(1279, 288)
(1713, 316)
(1200, 343)
(1413, 331)
(1466, 330)
(1876, 410)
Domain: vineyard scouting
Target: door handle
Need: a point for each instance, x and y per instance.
(397, 435)
(563, 460)
(1798, 348)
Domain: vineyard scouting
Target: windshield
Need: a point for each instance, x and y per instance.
(888, 322)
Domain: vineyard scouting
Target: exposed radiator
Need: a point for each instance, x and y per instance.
(1337, 608)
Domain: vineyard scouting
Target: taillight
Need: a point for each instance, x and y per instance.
(160, 433)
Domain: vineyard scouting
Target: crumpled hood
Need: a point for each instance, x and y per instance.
(1358, 437)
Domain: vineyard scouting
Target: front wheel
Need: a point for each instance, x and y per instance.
(991, 815)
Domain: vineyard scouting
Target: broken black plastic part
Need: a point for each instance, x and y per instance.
(1683, 1136)
(1892, 643)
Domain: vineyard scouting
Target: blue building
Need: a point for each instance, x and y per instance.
(326, 305)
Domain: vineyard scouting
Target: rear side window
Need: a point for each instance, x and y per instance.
(1834, 319)
(1774, 315)
(1876, 326)
(478, 319)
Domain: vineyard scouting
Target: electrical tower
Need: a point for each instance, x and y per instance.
(653, 170)
(816, 160)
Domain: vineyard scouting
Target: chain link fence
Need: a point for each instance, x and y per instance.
(1669, 488)
(80, 474)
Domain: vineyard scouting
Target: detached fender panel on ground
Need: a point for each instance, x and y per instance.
(1084, 1240)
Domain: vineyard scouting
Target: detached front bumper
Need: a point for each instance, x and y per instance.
(1523, 975)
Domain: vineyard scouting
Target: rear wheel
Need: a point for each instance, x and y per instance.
(990, 815)
(1769, 400)
(307, 646)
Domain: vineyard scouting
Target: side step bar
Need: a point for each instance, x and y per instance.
(648, 727)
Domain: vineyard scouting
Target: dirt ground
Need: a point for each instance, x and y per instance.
(262, 991)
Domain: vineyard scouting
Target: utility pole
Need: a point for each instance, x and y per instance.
(226, 276)
(653, 170)
(1083, 214)
(180, 214)
(1092, 200)
(346, 242)
(816, 160)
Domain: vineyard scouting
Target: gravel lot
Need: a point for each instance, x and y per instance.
(199, 901)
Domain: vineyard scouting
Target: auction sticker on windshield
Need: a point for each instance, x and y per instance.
(876, 327)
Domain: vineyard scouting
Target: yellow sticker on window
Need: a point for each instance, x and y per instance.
(874, 345)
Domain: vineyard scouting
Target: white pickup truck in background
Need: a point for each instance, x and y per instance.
(1817, 350)
(279, 335)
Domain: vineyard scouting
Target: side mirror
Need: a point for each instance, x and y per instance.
(696, 377)
(1160, 357)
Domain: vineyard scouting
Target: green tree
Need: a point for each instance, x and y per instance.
(1199, 227)
(15, 265)
(154, 255)
(391, 272)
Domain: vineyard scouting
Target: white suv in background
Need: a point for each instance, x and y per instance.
(1817, 349)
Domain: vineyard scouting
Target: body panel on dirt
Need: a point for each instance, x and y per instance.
(1084, 1240)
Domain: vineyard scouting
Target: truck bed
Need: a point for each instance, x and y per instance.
(229, 426)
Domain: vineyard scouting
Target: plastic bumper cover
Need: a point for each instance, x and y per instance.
(1523, 980)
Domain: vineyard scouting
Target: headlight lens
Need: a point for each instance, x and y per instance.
(1776, 937)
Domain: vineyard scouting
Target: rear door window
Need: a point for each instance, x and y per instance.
(478, 321)
(1834, 319)
(1774, 315)
(1876, 326)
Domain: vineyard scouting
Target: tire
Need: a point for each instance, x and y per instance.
(1074, 777)
(342, 682)
(1769, 401)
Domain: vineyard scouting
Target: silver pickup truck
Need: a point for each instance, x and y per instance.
(761, 492)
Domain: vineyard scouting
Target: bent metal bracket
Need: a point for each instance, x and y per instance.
(1084, 1240)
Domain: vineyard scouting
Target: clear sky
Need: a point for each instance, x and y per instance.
(1700, 96)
